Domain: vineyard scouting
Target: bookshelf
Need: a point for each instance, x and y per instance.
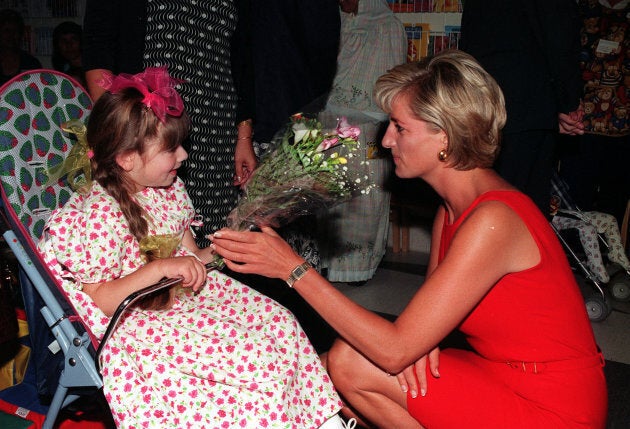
(432, 25)
(40, 19)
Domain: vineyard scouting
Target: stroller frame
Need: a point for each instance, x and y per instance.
(598, 305)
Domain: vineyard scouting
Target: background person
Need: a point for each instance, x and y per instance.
(13, 58)
(353, 235)
(67, 50)
(531, 48)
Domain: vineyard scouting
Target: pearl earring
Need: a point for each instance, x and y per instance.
(442, 155)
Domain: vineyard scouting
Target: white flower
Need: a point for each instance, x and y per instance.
(300, 130)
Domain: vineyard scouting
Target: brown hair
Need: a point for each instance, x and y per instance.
(120, 123)
(451, 92)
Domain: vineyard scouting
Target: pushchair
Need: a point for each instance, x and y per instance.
(598, 255)
(65, 354)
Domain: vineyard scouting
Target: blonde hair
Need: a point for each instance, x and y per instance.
(453, 93)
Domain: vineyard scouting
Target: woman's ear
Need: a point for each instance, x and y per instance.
(126, 160)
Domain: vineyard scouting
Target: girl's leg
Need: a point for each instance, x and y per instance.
(371, 394)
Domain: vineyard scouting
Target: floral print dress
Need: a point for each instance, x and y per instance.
(226, 357)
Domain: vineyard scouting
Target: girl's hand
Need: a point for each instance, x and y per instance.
(189, 268)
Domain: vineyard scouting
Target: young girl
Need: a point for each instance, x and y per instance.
(213, 353)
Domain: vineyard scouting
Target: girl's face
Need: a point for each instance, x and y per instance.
(157, 167)
(414, 143)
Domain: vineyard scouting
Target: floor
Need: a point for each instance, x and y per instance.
(401, 274)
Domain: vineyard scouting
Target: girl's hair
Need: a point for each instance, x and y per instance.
(120, 123)
(451, 92)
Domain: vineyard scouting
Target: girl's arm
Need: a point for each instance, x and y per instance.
(492, 242)
(108, 295)
(205, 255)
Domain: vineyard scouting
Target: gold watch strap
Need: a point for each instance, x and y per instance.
(297, 273)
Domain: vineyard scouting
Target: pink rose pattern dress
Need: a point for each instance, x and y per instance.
(227, 357)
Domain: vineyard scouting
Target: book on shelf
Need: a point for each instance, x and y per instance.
(447, 5)
(442, 40)
(402, 6)
(417, 41)
(425, 6)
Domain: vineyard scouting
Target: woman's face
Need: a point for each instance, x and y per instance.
(414, 143)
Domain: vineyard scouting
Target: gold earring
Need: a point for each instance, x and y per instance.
(442, 155)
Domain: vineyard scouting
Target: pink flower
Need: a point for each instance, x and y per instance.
(327, 144)
(345, 130)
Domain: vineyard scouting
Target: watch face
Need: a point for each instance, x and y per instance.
(297, 273)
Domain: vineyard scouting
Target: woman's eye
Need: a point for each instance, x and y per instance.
(399, 128)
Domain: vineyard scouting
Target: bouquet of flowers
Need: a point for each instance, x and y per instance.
(308, 171)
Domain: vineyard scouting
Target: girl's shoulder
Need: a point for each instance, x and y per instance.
(93, 203)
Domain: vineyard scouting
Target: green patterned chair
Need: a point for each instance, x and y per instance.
(33, 106)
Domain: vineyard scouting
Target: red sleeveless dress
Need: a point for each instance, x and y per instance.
(535, 362)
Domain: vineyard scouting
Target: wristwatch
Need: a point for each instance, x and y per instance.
(297, 273)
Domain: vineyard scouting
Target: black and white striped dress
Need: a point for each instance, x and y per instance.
(193, 39)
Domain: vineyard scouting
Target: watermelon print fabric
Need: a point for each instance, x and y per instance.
(33, 105)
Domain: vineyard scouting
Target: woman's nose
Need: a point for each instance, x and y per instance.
(388, 139)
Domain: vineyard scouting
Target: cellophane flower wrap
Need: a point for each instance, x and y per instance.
(308, 170)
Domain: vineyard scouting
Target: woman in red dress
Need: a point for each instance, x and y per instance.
(497, 273)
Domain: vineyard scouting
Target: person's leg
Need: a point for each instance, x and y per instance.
(470, 392)
(607, 224)
(590, 244)
(373, 395)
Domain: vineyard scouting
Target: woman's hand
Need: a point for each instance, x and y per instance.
(413, 379)
(264, 253)
(189, 268)
(245, 161)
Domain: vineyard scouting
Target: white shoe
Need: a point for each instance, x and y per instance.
(350, 424)
(336, 422)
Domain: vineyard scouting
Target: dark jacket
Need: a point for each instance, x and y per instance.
(106, 23)
(531, 48)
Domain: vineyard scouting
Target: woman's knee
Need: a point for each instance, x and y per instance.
(342, 362)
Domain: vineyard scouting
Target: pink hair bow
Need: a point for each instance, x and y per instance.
(157, 86)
